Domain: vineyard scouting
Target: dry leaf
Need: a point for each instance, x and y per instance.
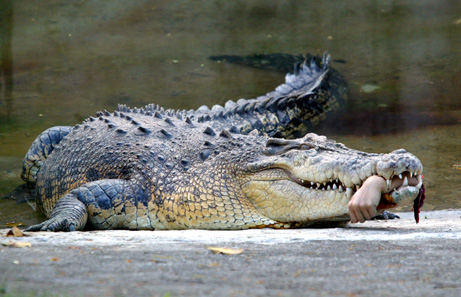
(9, 225)
(225, 251)
(15, 232)
(20, 244)
(456, 166)
(55, 259)
(74, 247)
(17, 244)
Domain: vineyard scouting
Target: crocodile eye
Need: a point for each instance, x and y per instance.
(306, 146)
(277, 146)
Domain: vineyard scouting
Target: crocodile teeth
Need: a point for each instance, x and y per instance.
(328, 188)
(318, 185)
(341, 189)
(388, 184)
(334, 187)
(349, 192)
(405, 182)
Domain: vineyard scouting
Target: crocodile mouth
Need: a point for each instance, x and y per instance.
(282, 195)
(396, 181)
(405, 181)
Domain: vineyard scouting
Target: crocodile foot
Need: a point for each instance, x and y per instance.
(54, 224)
(386, 215)
(70, 214)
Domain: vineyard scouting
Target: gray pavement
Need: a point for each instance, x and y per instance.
(379, 258)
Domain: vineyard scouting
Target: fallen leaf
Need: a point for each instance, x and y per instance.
(9, 225)
(17, 244)
(55, 259)
(74, 248)
(225, 251)
(15, 232)
(21, 244)
(456, 166)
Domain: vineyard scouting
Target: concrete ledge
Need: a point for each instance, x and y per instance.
(444, 224)
(379, 258)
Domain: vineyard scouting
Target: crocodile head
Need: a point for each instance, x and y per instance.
(312, 179)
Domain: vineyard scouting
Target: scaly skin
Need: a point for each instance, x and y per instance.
(307, 95)
(155, 169)
(200, 178)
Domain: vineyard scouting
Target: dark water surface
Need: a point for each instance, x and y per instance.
(61, 61)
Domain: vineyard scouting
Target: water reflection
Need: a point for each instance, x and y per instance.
(6, 57)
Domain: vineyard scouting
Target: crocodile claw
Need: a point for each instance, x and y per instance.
(386, 215)
(54, 224)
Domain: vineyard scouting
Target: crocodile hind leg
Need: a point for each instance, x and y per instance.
(104, 204)
(41, 148)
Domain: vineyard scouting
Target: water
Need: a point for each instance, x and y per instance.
(63, 61)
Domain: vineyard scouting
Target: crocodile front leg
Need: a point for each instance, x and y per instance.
(104, 204)
(69, 214)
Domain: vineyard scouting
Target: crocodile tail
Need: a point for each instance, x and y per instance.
(306, 97)
(307, 94)
(307, 77)
(312, 90)
(40, 149)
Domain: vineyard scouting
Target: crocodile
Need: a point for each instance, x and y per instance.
(218, 168)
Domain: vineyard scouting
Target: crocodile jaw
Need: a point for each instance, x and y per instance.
(305, 185)
(284, 200)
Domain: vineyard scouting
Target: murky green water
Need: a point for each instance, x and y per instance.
(63, 61)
